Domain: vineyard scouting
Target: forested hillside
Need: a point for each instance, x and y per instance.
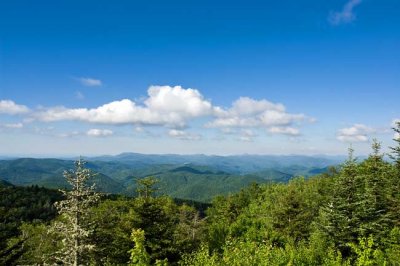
(348, 216)
(193, 177)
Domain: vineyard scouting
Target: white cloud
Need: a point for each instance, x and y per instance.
(165, 105)
(90, 82)
(250, 113)
(11, 108)
(285, 130)
(346, 15)
(248, 106)
(175, 107)
(14, 125)
(356, 133)
(178, 100)
(94, 132)
(180, 134)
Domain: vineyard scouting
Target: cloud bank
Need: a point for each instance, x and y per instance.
(175, 108)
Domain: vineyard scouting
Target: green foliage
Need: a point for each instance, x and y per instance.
(138, 254)
(34, 244)
(366, 253)
(20, 205)
(348, 216)
(114, 224)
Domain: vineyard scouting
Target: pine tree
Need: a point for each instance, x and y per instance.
(73, 225)
(375, 173)
(340, 218)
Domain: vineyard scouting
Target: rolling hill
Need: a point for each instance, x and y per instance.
(192, 177)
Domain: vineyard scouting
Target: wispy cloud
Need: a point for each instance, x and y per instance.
(247, 135)
(90, 82)
(355, 133)
(13, 125)
(181, 134)
(95, 132)
(346, 15)
(11, 108)
(69, 134)
(79, 95)
(285, 131)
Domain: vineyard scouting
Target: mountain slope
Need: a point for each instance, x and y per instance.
(194, 177)
(49, 173)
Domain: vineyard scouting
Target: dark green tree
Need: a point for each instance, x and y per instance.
(340, 218)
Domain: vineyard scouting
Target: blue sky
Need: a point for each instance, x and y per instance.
(214, 77)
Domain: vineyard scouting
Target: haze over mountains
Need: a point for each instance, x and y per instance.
(195, 177)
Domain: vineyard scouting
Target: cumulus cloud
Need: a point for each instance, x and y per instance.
(90, 82)
(181, 134)
(175, 107)
(11, 108)
(165, 105)
(356, 133)
(95, 132)
(249, 113)
(346, 15)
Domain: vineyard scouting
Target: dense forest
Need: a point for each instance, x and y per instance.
(348, 216)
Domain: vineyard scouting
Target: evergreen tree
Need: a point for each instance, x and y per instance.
(340, 218)
(74, 224)
(157, 217)
(375, 174)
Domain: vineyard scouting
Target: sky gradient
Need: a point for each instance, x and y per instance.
(232, 77)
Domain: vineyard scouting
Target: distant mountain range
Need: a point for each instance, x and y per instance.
(195, 177)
